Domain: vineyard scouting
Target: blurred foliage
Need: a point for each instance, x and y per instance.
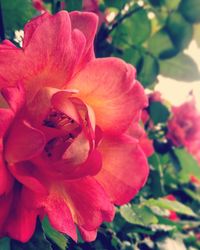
(151, 35)
(16, 14)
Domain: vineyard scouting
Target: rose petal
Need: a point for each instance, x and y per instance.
(11, 65)
(44, 62)
(66, 48)
(61, 102)
(124, 170)
(88, 203)
(14, 96)
(88, 235)
(31, 26)
(28, 175)
(60, 216)
(90, 167)
(78, 151)
(109, 87)
(23, 143)
(86, 23)
(138, 132)
(55, 206)
(11, 100)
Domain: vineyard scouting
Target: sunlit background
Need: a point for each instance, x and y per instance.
(177, 92)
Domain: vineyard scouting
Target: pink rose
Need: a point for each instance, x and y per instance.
(184, 128)
(155, 97)
(65, 152)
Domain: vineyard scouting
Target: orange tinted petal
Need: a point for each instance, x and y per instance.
(109, 87)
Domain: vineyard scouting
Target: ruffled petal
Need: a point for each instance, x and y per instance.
(28, 175)
(61, 102)
(78, 151)
(88, 203)
(18, 146)
(138, 132)
(14, 96)
(31, 26)
(124, 170)
(11, 100)
(60, 216)
(86, 23)
(52, 61)
(88, 235)
(90, 167)
(109, 87)
(44, 62)
(11, 65)
(55, 206)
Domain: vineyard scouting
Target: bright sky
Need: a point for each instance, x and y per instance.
(177, 92)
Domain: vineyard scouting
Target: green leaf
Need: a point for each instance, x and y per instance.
(197, 34)
(155, 162)
(58, 238)
(190, 10)
(115, 3)
(172, 4)
(132, 30)
(170, 205)
(156, 175)
(16, 13)
(163, 220)
(161, 45)
(171, 244)
(173, 37)
(5, 243)
(37, 242)
(131, 55)
(73, 5)
(179, 30)
(158, 112)
(148, 70)
(194, 195)
(157, 2)
(134, 214)
(181, 68)
(189, 166)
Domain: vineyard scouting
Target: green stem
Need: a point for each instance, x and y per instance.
(123, 17)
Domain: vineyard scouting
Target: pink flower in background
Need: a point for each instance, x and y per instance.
(155, 97)
(184, 128)
(65, 151)
(39, 5)
(93, 6)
